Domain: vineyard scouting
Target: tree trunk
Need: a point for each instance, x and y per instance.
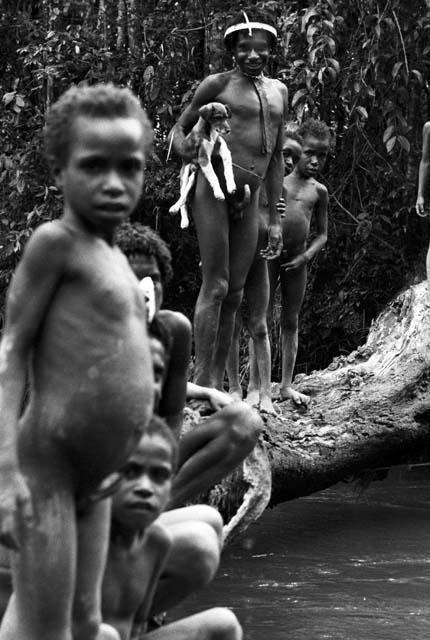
(368, 410)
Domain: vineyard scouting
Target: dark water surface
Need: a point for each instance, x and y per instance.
(347, 563)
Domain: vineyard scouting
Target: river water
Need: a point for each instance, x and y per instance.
(348, 563)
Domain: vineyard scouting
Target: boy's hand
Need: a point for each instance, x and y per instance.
(295, 263)
(280, 207)
(274, 246)
(419, 207)
(219, 399)
(15, 505)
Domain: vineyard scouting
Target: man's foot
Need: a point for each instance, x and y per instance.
(288, 393)
(236, 393)
(253, 398)
(266, 405)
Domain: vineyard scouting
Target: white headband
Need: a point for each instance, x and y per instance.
(249, 26)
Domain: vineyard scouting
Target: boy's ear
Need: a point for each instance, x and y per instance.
(228, 111)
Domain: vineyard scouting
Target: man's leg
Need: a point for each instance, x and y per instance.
(93, 540)
(428, 274)
(242, 246)
(213, 449)
(257, 294)
(233, 361)
(214, 624)
(212, 226)
(293, 284)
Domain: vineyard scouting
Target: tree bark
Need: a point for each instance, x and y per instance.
(368, 410)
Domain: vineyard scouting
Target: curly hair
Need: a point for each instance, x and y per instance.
(98, 101)
(254, 15)
(291, 130)
(138, 238)
(316, 128)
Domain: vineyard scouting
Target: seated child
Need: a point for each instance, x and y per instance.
(304, 197)
(213, 449)
(139, 548)
(75, 320)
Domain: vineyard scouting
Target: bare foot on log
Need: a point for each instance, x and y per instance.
(266, 405)
(235, 393)
(253, 398)
(288, 393)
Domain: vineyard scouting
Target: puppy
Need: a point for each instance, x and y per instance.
(208, 131)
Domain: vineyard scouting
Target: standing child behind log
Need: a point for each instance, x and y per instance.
(423, 184)
(76, 319)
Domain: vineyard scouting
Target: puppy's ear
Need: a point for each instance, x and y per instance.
(206, 111)
(227, 111)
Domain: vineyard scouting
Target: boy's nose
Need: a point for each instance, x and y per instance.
(143, 487)
(253, 54)
(113, 182)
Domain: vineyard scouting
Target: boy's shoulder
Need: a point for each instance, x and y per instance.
(426, 128)
(174, 321)
(50, 237)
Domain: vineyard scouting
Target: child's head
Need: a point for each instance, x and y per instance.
(160, 342)
(316, 138)
(147, 254)
(257, 21)
(101, 101)
(146, 482)
(292, 146)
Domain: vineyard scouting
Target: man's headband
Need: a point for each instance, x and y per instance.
(249, 26)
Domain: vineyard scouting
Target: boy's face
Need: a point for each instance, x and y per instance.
(145, 487)
(158, 354)
(252, 52)
(291, 152)
(146, 266)
(103, 176)
(313, 157)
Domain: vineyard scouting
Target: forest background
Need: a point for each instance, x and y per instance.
(361, 66)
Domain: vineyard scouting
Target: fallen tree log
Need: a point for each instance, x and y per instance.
(369, 409)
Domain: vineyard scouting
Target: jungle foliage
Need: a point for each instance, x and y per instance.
(361, 66)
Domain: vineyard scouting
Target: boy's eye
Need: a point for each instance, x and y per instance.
(132, 165)
(92, 164)
(131, 471)
(161, 474)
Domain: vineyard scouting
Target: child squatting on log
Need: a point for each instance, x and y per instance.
(228, 242)
(304, 197)
(422, 206)
(75, 320)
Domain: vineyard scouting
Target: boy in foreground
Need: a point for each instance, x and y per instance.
(76, 319)
(423, 184)
(304, 197)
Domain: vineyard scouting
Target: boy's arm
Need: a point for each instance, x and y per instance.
(207, 91)
(175, 385)
(423, 172)
(320, 211)
(30, 293)
(273, 181)
(217, 399)
(321, 223)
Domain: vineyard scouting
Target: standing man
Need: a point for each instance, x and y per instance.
(423, 183)
(227, 246)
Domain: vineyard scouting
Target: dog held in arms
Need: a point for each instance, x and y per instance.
(209, 130)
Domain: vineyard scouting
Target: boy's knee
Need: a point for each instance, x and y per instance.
(244, 426)
(258, 328)
(217, 288)
(201, 555)
(233, 299)
(289, 321)
(223, 624)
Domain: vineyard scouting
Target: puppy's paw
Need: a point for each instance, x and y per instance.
(219, 195)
